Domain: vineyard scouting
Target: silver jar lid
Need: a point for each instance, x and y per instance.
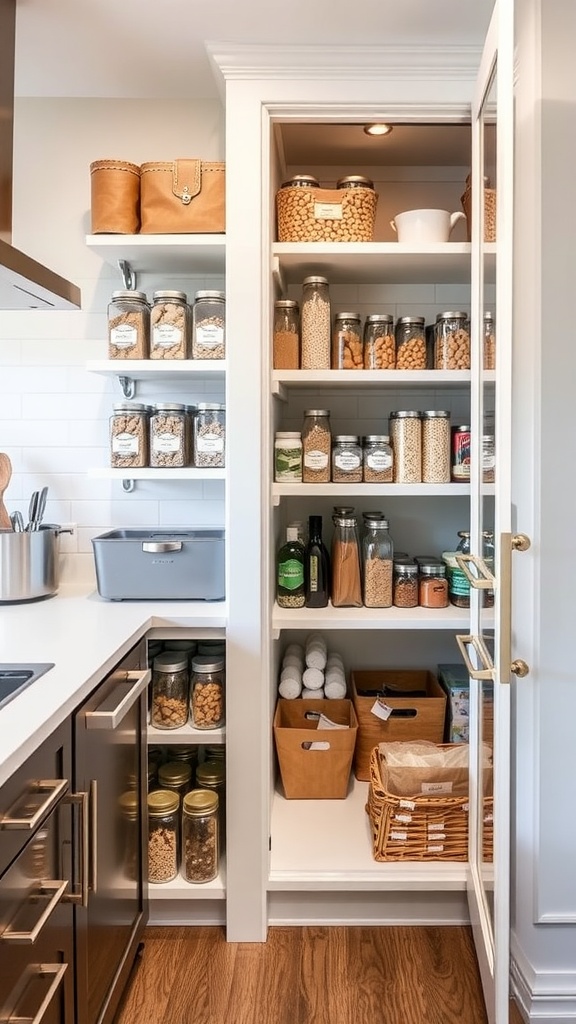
(316, 412)
(376, 439)
(377, 524)
(380, 318)
(435, 414)
(402, 414)
(169, 407)
(346, 439)
(208, 406)
(463, 427)
(353, 181)
(126, 294)
(344, 520)
(432, 569)
(286, 304)
(300, 180)
(347, 316)
(452, 315)
(407, 568)
(205, 663)
(129, 407)
(208, 294)
(165, 293)
(407, 320)
(170, 661)
(315, 280)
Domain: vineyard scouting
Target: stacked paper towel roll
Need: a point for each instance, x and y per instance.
(311, 671)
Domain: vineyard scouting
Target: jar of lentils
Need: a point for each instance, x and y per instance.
(377, 564)
(169, 436)
(128, 325)
(452, 341)
(169, 690)
(410, 343)
(405, 584)
(129, 435)
(200, 836)
(436, 447)
(379, 342)
(346, 459)
(377, 459)
(286, 335)
(163, 835)
(316, 446)
(169, 325)
(347, 351)
(210, 435)
(207, 692)
(315, 324)
(209, 325)
(489, 345)
(406, 438)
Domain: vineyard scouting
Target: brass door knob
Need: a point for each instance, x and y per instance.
(520, 542)
(519, 668)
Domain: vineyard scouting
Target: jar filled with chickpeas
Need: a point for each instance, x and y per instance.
(315, 325)
(489, 345)
(346, 459)
(347, 342)
(410, 343)
(436, 447)
(378, 460)
(379, 342)
(169, 325)
(316, 446)
(452, 341)
(406, 439)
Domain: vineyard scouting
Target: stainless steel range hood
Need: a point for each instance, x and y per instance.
(24, 283)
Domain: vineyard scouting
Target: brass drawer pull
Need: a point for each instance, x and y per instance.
(57, 788)
(27, 938)
(481, 578)
(34, 973)
(109, 718)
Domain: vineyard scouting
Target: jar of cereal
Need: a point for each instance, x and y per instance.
(128, 325)
(410, 343)
(169, 436)
(379, 342)
(209, 325)
(347, 342)
(210, 435)
(169, 322)
(207, 692)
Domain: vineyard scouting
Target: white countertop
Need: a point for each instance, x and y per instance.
(84, 636)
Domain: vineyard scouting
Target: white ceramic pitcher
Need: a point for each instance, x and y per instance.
(425, 225)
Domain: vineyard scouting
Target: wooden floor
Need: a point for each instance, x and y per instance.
(306, 976)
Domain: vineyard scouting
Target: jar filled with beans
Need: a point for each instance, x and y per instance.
(169, 326)
(406, 439)
(210, 435)
(315, 324)
(452, 341)
(379, 342)
(200, 841)
(286, 335)
(347, 351)
(163, 835)
(169, 447)
(346, 459)
(405, 584)
(129, 435)
(207, 692)
(128, 325)
(377, 564)
(410, 343)
(209, 325)
(436, 447)
(316, 446)
(170, 680)
(488, 459)
(377, 458)
(489, 345)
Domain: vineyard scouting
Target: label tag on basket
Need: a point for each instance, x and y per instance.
(436, 849)
(327, 211)
(381, 710)
(326, 723)
(436, 787)
(401, 836)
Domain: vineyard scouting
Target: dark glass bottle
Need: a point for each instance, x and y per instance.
(316, 566)
(290, 572)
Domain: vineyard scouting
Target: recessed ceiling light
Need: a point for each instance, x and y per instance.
(378, 129)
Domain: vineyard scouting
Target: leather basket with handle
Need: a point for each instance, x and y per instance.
(182, 196)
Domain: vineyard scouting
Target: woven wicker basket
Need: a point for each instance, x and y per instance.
(326, 215)
(489, 213)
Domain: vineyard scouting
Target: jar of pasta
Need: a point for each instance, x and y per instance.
(452, 341)
(379, 342)
(169, 446)
(169, 325)
(347, 342)
(128, 325)
(163, 835)
(410, 343)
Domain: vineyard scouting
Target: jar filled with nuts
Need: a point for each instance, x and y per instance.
(315, 324)
(489, 347)
(436, 447)
(207, 693)
(316, 446)
(378, 460)
(169, 325)
(169, 690)
(406, 438)
(169, 448)
(129, 435)
(452, 341)
(410, 343)
(405, 584)
(346, 459)
(286, 335)
(377, 564)
(200, 836)
(210, 435)
(379, 342)
(128, 325)
(347, 342)
(209, 325)
(211, 774)
(163, 835)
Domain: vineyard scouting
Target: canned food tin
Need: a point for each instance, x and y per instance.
(460, 462)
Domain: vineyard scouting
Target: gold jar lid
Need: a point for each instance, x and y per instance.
(211, 772)
(161, 802)
(128, 804)
(174, 773)
(200, 801)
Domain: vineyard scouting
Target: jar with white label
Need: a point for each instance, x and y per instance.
(378, 460)
(315, 328)
(316, 446)
(129, 436)
(488, 459)
(346, 459)
(128, 325)
(288, 456)
(169, 324)
(169, 436)
(209, 325)
(210, 435)
(406, 438)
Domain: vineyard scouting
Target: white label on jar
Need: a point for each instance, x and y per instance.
(210, 443)
(347, 461)
(166, 443)
(166, 336)
(124, 336)
(125, 444)
(315, 460)
(488, 461)
(210, 335)
(379, 461)
(327, 211)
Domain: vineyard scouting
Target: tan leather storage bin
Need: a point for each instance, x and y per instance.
(115, 197)
(182, 196)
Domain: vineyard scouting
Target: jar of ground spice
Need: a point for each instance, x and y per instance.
(377, 564)
(286, 335)
(405, 584)
(200, 836)
(433, 585)
(346, 591)
(163, 835)
(128, 325)
(346, 459)
(316, 446)
(378, 460)
(315, 324)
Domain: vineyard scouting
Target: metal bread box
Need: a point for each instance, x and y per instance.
(163, 564)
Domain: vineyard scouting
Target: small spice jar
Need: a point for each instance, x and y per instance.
(286, 335)
(379, 343)
(452, 341)
(128, 325)
(287, 456)
(129, 435)
(207, 692)
(460, 456)
(169, 325)
(316, 446)
(315, 324)
(436, 447)
(210, 435)
(433, 585)
(346, 459)
(163, 831)
(406, 439)
(175, 776)
(169, 690)
(169, 448)
(211, 774)
(209, 325)
(200, 846)
(489, 342)
(347, 351)
(377, 564)
(377, 459)
(488, 459)
(410, 343)
(405, 584)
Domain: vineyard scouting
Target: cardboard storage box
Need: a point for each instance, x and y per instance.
(455, 681)
(309, 773)
(417, 716)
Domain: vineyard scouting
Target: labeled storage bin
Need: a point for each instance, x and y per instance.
(417, 710)
(315, 763)
(312, 214)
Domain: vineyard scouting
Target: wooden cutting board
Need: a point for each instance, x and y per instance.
(5, 476)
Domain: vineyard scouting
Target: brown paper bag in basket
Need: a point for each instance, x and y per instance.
(183, 196)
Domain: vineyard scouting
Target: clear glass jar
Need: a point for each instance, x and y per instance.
(488, 459)
(200, 844)
(460, 456)
(288, 456)
(452, 341)
(211, 774)
(405, 584)
(169, 447)
(377, 458)
(345, 563)
(169, 325)
(128, 325)
(315, 324)
(489, 342)
(436, 447)
(433, 585)
(207, 692)
(163, 835)
(170, 680)
(316, 446)
(346, 459)
(458, 585)
(209, 325)
(175, 776)
(354, 181)
(377, 564)
(406, 439)
(129, 435)
(347, 353)
(379, 343)
(286, 335)
(210, 435)
(301, 181)
(129, 805)
(410, 343)
(488, 556)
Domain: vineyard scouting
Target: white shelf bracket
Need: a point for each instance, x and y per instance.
(128, 486)
(278, 278)
(128, 386)
(128, 275)
(279, 391)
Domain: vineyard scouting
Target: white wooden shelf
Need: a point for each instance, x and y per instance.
(186, 473)
(372, 262)
(163, 254)
(185, 734)
(451, 618)
(280, 491)
(153, 369)
(284, 380)
(180, 889)
(326, 845)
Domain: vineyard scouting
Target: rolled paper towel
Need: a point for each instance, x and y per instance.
(334, 659)
(294, 661)
(313, 679)
(316, 655)
(290, 688)
(312, 694)
(296, 649)
(335, 689)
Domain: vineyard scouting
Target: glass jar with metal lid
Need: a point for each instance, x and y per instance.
(452, 341)
(170, 681)
(377, 559)
(379, 344)
(209, 325)
(354, 181)
(410, 343)
(128, 325)
(169, 445)
(435, 446)
(489, 343)
(377, 458)
(163, 835)
(187, 753)
(129, 435)
(316, 446)
(200, 842)
(347, 351)
(175, 776)
(207, 692)
(405, 584)
(286, 335)
(315, 326)
(432, 585)
(345, 563)
(210, 435)
(406, 438)
(212, 775)
(346, 459)
(301, 181)
(169, 325)
(458, 585)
